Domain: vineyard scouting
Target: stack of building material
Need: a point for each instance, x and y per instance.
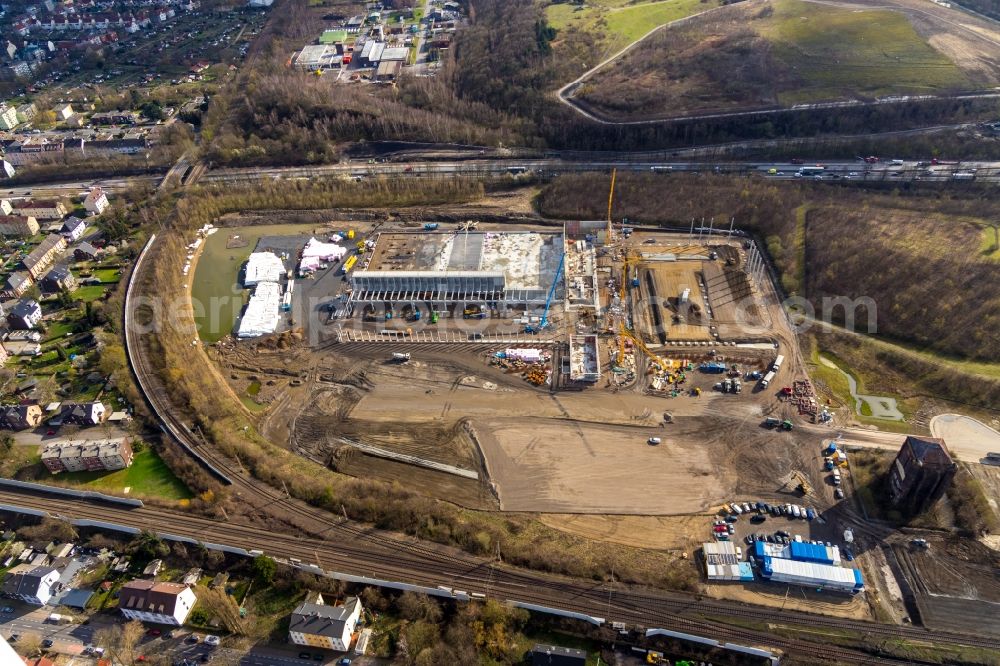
(263, 267)
(262, 314)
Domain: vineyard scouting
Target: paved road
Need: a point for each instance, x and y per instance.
(832, 172)
(966, 437)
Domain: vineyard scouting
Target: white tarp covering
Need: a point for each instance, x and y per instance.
(317, 252)
(526, 355)
(263, 267)
(262, 313)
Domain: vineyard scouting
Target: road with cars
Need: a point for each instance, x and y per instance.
(835, 171)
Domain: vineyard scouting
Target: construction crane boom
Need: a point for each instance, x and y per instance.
(611, 198)
(548, 299)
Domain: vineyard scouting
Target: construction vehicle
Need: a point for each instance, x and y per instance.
(434, 317)
(350, 234)
(430, 226)
(361, 247)
(803, 485)
(771, 422)
(548, 300)
(401, 357)
(415, 316)
(786, 424)
(653, 657)
(474, 312)
(349, 264)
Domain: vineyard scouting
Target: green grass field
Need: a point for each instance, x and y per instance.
(750, 55)
(840, 52)
(148, 476)
(624, 22)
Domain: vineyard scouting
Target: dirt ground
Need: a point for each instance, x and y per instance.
(955, 582)
(683, 533)
(792, 598)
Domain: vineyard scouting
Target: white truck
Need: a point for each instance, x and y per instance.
(777, 363)
(401, 357)
(767, 379)
(56, 618)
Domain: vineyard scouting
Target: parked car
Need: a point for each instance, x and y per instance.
(47, 643)
(839, 493)
(211, 640)
(759, 518)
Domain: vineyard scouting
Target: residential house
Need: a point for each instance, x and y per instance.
(59, 278)
(25, 314)
(4, 355)
(81, 414)
(17, 283)
(43, 256)
(42, 209)
(21, 226)
(920, 474)
(63, 111)
(90, 455)
(322, 626)
(5, 207)
(96, 201)
(85, 252)
(26, 112)
(73, 229)
(554, 655)
(115, 118)
(6, 169)
(8, 117)
(33, 586)
(150, 601)
(21, 417)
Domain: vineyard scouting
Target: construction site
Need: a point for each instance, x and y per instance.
(534, 365)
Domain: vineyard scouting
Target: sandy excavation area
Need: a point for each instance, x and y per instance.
(572, 467)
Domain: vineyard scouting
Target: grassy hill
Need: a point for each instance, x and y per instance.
(760, 54)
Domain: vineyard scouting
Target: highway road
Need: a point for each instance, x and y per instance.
(838, 171)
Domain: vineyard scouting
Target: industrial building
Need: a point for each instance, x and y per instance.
(503, 269)
(801, 552)
(810, 574)
(722, 562)
(921, 473)
(318, 56)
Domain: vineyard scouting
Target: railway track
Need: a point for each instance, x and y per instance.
(335, 544)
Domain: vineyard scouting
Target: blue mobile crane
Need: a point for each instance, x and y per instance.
(548, 301)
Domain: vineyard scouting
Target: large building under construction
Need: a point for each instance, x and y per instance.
(501, 268)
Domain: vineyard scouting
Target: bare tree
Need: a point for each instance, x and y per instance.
(121, 642)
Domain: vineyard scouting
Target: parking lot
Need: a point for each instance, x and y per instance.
(777, 523)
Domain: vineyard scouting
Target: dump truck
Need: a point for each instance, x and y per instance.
(771, 422)
(777, 363)
(767, 379)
